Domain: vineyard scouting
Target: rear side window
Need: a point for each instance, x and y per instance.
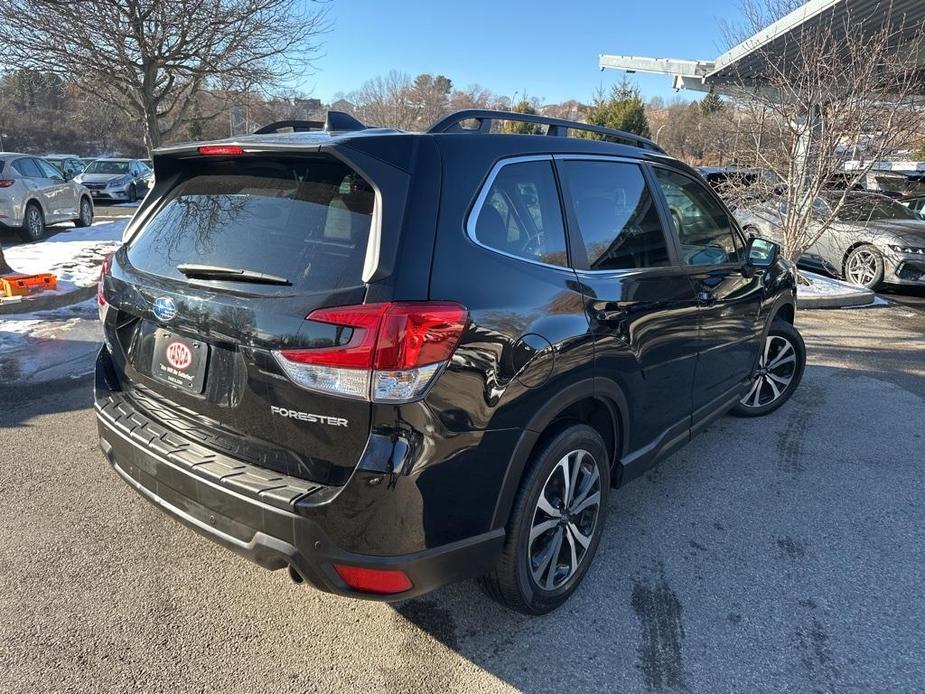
(27, 168)
(616, 215)
(521, 216)
(307, 220)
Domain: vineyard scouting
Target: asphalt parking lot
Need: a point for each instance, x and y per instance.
(782, 554)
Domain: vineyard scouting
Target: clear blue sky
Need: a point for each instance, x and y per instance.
(548, 48)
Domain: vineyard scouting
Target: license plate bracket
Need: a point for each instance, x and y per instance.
(179, 361)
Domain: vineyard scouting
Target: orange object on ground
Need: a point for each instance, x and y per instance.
(23, 285)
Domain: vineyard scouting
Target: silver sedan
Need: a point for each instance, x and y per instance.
(872, 241)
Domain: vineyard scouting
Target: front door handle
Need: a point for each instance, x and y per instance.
(705, 297)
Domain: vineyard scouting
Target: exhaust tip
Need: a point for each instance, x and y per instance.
(295, 575)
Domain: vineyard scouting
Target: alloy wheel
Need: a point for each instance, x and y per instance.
(862, 267)
(564, 520)
(35, 223)
(86, 214)
(775, 372)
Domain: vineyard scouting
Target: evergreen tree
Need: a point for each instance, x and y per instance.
(711, 104)
(622, 109)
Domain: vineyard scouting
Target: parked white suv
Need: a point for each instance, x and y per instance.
(34, 193)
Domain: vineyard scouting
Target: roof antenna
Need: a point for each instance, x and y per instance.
(338, 121)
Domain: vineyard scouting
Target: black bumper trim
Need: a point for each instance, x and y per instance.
(260, 527)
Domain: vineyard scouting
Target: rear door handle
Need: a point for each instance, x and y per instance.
(612, 311)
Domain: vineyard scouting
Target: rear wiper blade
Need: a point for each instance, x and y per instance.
(230, 273)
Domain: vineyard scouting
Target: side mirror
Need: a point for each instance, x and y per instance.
(761, 253)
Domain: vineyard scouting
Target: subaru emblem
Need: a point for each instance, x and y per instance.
(165, 308)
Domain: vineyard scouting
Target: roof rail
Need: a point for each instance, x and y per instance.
(557, 127)
(298, 126)
(334, 121)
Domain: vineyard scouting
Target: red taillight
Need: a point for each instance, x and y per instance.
(410, 337)
(393, 353)
(6, 182)
(227, 150)
(379, 581)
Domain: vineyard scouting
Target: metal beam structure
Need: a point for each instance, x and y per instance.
(743, 63)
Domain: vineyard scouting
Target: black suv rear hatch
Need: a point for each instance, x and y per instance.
(223, 272)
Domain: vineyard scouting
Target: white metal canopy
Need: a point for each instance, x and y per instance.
(744, 62)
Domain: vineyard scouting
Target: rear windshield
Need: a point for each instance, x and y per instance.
(306, 220)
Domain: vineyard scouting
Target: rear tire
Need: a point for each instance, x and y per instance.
(33, 223)
(551, 541)
(777, 374)
(86, 214)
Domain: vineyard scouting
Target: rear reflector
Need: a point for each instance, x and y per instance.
(393, 354)
(379, 581)
(227, 150)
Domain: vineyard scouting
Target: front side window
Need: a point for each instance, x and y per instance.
(49, 171)
(616, 215)
(702, 225)
(521, 215)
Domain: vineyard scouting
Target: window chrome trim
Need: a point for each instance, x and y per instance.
(473, 217)
(371, 260)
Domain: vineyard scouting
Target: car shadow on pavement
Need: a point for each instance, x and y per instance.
(24, 401)
(744, 562)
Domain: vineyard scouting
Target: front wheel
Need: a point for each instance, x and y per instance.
(555, 525)
(85, 217)
(864, 266)
(777, 374)
(132, 193)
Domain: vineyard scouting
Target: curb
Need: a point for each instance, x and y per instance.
(838, 294)
(45, 303)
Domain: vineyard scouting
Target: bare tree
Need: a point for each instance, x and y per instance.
(846, 84)
(152, 58)
(397, 101)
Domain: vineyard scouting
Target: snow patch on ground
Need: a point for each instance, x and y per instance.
(49, 345)
(828, 291)
(74, 255)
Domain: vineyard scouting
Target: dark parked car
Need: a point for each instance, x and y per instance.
(70, 164)
(389, 360)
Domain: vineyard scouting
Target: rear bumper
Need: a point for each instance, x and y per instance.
(252, 511)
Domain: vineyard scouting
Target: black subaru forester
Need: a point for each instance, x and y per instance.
(389, 360)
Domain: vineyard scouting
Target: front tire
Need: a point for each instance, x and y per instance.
(86, 214)
(555, 524)
(777, 374)
(864, 266)
(132, 193)
(33, 227)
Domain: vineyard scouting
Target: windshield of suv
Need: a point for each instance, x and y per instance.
(101, 166)
(860, 207)
(306, 220)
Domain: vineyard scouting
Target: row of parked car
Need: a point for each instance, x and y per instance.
(38, 191)
(875, 239)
